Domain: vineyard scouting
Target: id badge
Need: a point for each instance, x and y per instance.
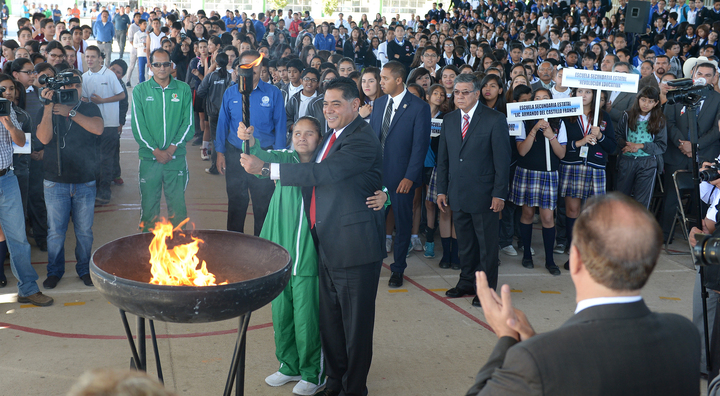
(583, 151)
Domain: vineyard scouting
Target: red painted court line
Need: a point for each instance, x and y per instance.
(109, 337)
(445, 301)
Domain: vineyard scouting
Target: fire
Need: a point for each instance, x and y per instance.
(177, 267)
(253, 63)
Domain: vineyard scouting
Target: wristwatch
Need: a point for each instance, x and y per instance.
(72, 113)
(266, 170)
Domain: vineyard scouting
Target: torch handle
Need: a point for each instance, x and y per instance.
(246, 119)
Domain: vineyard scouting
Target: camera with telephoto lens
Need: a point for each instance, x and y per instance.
(61, 96)
(687, 91)
(4, 105)
(710, 174)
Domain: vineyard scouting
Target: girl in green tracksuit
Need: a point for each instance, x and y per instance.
(295, 311)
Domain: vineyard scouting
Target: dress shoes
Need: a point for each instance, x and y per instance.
(554, 270)
(567, 265)
(328, 392)
(444, 264)
(528, 263)
(457, 292)
(396, 279)
(455, 266)
(3, 280)
(476, 302)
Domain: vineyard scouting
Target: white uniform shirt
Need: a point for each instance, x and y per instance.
(105, 84)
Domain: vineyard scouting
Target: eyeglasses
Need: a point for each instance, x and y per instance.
(313, 80)
(430, 55)
(449, 45)
(28, 72)
(462, 93)
(161, 64)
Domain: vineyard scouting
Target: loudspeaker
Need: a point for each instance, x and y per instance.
(636, 16)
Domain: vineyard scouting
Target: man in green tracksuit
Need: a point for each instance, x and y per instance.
(162, 119)
(295, 312)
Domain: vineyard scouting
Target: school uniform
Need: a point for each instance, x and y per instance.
(582, 171)
(637, 171)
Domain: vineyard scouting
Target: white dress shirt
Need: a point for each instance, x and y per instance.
(396, 103)
(593, 302)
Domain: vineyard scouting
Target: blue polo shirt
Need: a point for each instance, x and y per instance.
(104, 32)
(267, 115)
(231, 21)
(121, 22)
(259, 29)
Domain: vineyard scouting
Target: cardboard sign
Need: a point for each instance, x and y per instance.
(435, 126)
(540, 109)
(605, 81)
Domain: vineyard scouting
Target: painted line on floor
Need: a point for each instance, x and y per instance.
(670, 298)
(74, 304)
(439, 290)
(445, 301)
(515, 291)
(28, 306)
(397, 291)
(56, 334)
(549, 292)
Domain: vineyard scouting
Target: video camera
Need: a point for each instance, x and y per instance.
(710, 174)
(4, 105)
(61, 96)
(687, 91)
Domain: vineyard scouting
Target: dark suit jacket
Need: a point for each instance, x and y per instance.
(613, 350)
(473, 170)
(349, 232)
(407, 141)
(708, 134)
(622, 103)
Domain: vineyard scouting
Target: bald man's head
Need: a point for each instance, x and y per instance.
(618, 240)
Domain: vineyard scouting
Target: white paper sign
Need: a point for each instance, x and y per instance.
(539, 109)
(515, 128)
(435, 126)
(605, 81)
(26, 149)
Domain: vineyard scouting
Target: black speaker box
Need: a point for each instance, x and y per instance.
(636, 16)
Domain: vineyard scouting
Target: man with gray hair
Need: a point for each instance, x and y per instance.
(472, 178)
(545, 73)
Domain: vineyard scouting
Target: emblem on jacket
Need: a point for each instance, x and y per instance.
(174, 98)
(149, 99)
(265, 101)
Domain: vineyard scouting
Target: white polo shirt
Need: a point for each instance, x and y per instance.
(105, 84)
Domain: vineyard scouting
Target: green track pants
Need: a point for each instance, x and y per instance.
(154, 178)
(297, 330)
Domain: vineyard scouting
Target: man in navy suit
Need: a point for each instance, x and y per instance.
(402, 123)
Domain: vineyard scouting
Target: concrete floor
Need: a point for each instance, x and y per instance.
(425, 343)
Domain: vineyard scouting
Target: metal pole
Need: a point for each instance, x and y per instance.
(155, 350)
(141, 342)
(129, 335)
(237, 368)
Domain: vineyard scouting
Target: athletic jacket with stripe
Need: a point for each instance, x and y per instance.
(162, 116)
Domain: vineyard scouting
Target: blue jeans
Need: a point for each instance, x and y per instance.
(142, 62)
(62, 199)
(12, 220)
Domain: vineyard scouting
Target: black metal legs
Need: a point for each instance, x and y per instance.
(139, 358)
(237, 369)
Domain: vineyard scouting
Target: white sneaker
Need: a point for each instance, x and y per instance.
(280, 379)
(305, 388)
(416, 244)
(388, 245)
(559, 248)
(509, 250)
(205, 154)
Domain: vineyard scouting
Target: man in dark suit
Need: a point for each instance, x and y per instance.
(660, 67)
(472, 177)
(613, 345)
(351, 247)
(401, 121)
(679, 150)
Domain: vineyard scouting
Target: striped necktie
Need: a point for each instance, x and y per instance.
(386, 125)
(466, 125)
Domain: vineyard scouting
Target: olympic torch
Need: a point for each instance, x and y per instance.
(245, 87)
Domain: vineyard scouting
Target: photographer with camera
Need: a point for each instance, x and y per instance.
(69, 172)
(679, 149)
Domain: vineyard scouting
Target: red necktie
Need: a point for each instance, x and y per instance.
(312, 201)
(466, 124)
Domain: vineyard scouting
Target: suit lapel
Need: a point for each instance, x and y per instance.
(474, 121)
(347, 131)
(401, 109)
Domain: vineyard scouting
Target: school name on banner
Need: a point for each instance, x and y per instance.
(539, 109)
(606, 81)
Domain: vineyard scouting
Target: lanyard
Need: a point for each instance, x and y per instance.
(585, 130)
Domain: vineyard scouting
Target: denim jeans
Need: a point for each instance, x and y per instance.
(142, 62)
(12, 220)
(62, 199)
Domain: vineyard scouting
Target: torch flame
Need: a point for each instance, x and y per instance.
(177, 267)
(253, 63)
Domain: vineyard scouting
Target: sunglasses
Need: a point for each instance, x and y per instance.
(161, 64)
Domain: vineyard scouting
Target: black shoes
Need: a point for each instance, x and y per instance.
(51, 282)
(457, 292)
(3, 280)
(554, 270)
(42, 245)
(567, 265)
(528, 263)
(396, 280)
(86, 280)
(455, 266)
(327, 392)
(444, 264)
(476, 302)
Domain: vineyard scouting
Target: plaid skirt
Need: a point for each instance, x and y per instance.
(581, 181)
(432, 187)
(534, 188)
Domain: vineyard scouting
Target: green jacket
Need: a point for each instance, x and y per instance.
(286, 223)
(161, 117)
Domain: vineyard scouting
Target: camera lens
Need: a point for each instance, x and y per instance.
(709, 175)
(707, 251)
